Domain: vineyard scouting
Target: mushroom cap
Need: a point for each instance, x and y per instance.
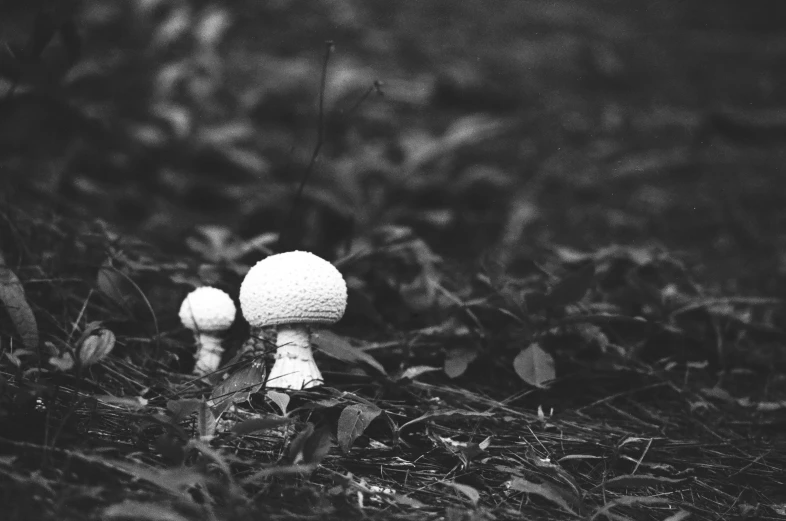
(207, 309)
(295, 287)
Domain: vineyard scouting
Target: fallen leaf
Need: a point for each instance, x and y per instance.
(280, 399)
(470, 493)
(458, 359)
(338, 347)
(353, 422)
(534, 365)
(310, 446)
(238, 387)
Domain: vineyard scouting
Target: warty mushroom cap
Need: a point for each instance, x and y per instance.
(207, 309)
(295, 287)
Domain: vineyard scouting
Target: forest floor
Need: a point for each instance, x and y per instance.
(561, 225)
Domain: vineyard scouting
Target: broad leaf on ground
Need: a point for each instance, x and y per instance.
(116, 285)
(534, 365)
(238, 387)
(353, 422)
(310, 446)
(458, 359)
(333, 345)
(280, 399)
(96, 346)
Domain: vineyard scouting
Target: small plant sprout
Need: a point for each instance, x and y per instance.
(293, 291)
(207, 312)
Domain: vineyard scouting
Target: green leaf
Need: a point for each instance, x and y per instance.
(280, 399)
(338, 347)
(458, 359)
(353, 422)
(116, 285)
(408, 501)
(96, 346)
(63, 362)
(12, 295)
(310, 446)
(534, 365)
(238, 387)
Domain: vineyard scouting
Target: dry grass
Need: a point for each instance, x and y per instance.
(616, 435)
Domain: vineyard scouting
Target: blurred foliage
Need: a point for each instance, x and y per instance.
(485, 131)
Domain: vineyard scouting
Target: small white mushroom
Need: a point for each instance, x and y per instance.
(207, 312)
(293, 290)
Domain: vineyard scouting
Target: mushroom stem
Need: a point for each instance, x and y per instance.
(295, 367)
(208, 355)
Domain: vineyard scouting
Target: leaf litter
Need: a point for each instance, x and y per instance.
(428, 431)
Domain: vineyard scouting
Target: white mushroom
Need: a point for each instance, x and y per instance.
(207, 312)
(293, 290)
